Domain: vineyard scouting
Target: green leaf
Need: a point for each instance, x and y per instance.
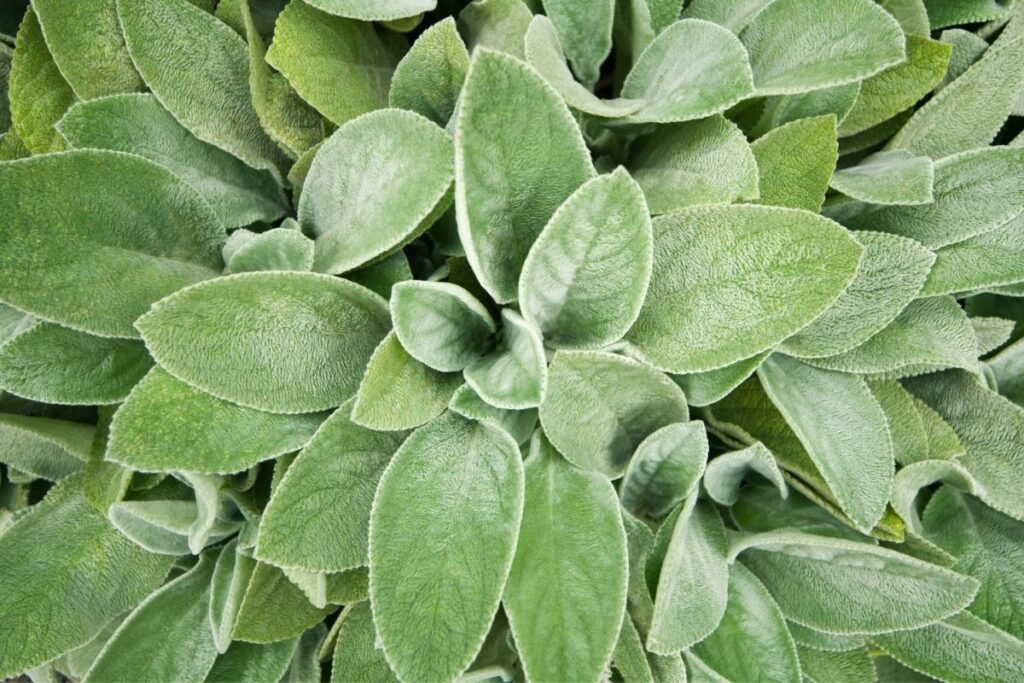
(691, 70)
(912, 15)
(986, 545)
(257, 339)
(381, 10)
(752, 641)
(801, 45)
(318, 516)
(906, 425)
(250, 662)
(357, 655)
(896, 177)
(930, 334)
(276, 249)
(843, 429)
(991, 429)
(693, 585)
(886, 94)
(440, 324)
(496, 25)
(558, 579)
(165, 425)
(853, 666)
(586, 276)
(942, 14)
(138, 124)
(67, 572)
(206, 90)
(732, 14)
(962, 647)
(454, 489)
(38, 93)
(968, 112)
(382, 275)
(665, 469)
(857, 587)
(341, 66)
(795, 163)
(808, 638)
(629, 657)
(54, 364)
(986, 260)
(725, 473)
(975, 193)
(911, 479)
(377, 183)
(782, 109)
(159, 526)
(227, 588)
(705, 388)
(399, 392)
(44, 447)
(274, 608)
(695, 163)
(508, 186)
(621, 401)
(429, 78)
(520, 424)
(514, 376)
(729, 304)
(1006, 368)
(87, 46)
(167, 637)
(992, 333)
(891, 274)
(585, 29)
(967, 49)
(59, 267)
(544, 53)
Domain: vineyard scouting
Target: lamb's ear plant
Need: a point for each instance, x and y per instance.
(553, 341)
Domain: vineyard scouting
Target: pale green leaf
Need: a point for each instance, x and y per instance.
(305, 664)
(782, 109)
(585, 29)
(942, 14)
(886, 94)
(159, 526)
(251, 662)
(429, 78)
(318, 516)
(853, 666)
(975, 192)
(987, 260)
(55, 364)
(342, 67)
(910, 442)
(896, 177)
(795, 163)
(629, 657)
(930, 334)
(912, 15)
(283, 248)
(227, 588)
(206, 90)
(761, 509)
(440, 324)
(801, 45)
(59, 267)
(891, 274)
(570, 568)
(44, 447)
(454, 489)
(943, 443)
(694, 163)
(38, 93)
(967, 49)
(725, 473)
(377, 183)
(166, 638)
(496, 25)
(85, 40)
(399, 392)
(514, 375)
(357, 654)
(911, 479)
(692, 69)
(732, 14)
(962, 648)
(705, 388)
(849, 587)
(274, 608)
(732, 303)
(969, 111)
(665, 469)
(752, 641)
(138, 124)
(620, 400)
(692, 591)
(378, 10)
(509, 185)
(544, 53)
(992, 333)
(382, 275)
(843, 429)
(808, 638)
(1008, 368)
(586, 276)
(520, 424)
(257, 339)
(165, 425)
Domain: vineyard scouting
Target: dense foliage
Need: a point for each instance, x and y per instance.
(543, 340)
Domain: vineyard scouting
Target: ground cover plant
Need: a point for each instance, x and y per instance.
(513, 340)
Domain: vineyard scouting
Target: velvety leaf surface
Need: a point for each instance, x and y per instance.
(621, 400)
(508, 186)
(514, 376)
(520, 424)
(357, 656)
(728, 304)
(732, 14)
(725, 473)
(986, 260)
(896, 177)
(49, 250)
(795, 163)
(166, 425)
(274, 608)
(283, 248)
(44, 447)
(373, 186)
(586, 32)
(705, 388)
(665, 468)
(430, 76)
(853, 666)
(586, 276)
(496, 25)
(265, 334)
(251, 662)
(570, 567)
(454, 489)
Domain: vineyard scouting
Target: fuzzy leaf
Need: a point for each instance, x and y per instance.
(429, 78)
(986, 260)
(724, 474)
(44, 447)
(665, 468)
(795, 163)
(283, 248)
(274, 608)
(586, 32)
(514, 375)
(357, 656)
(895, 177)
(705, 388)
